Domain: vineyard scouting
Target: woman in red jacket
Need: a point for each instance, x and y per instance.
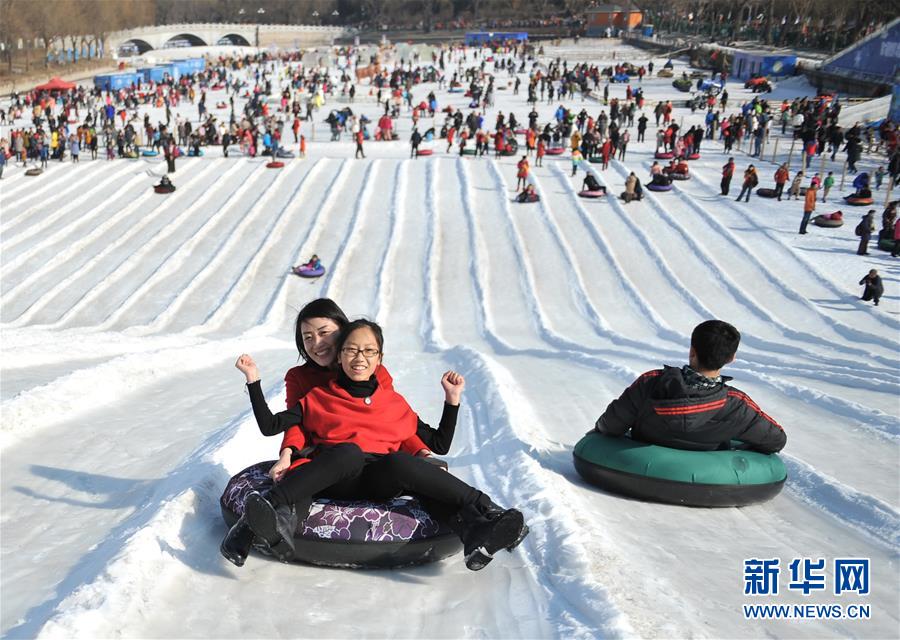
(316, 330)
(358, 428)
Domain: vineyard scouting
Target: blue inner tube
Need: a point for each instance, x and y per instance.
(149, 153)
(727, 478)
(355, 534)
(658, 187)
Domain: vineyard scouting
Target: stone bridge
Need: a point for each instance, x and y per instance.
(284, 36)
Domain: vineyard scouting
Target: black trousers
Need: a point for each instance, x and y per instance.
(726, 185)
(346, 472)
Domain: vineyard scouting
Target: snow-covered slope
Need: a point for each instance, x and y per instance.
(123, 418)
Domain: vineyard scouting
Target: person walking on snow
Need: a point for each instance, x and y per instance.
(750, 181)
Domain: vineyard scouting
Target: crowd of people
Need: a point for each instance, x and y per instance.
(109, 123)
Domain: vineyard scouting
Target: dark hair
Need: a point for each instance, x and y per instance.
(361, 323)
(318, 308)
(714, 342)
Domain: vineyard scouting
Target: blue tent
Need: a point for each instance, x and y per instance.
(159, 73)
(116, 81)
(487, 37)
(746, 64)
(188, 66)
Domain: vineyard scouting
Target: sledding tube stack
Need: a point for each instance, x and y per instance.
(352, 534)
(692, 478)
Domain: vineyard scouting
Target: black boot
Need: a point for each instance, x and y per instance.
(484, 534)
(237, 542)
(275, 525)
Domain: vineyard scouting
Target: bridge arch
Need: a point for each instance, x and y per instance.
(235, 39)
(133, 47)
(184, 40)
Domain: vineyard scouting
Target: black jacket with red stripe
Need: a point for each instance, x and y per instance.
(661, 409)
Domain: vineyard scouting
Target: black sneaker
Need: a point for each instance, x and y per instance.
(274, 525)
(486, 538)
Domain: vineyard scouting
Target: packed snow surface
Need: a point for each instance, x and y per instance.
(123, 417)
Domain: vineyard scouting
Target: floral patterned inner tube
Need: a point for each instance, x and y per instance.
(356, 534)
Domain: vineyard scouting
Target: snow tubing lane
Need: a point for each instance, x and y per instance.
(658, 187)
(859, 202)
(650, 472)
(309, 273)
(275, 164)
(356, 534)
(668, 155)
(822, 221)
(765, 192)
(556, 151)
(164, 189)
(592, 194)
(424, 152)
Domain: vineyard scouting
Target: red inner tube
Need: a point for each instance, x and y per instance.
(556, 151)
(275, 164)
(424, 152)
(665, 156)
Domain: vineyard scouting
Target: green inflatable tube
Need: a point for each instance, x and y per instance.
(729, 478)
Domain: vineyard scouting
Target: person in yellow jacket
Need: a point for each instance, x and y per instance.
(575, 140)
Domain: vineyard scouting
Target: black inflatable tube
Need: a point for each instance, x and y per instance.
(674, 492)
(368, 555)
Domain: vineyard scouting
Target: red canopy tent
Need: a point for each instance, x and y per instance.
(56, 84)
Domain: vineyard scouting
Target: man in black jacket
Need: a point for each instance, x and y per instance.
(693, 407)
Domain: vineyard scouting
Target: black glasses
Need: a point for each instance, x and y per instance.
(352, 352)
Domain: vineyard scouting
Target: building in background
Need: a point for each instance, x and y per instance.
(614, 17)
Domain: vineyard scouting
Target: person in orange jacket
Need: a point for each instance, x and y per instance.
(809, 206)
(522, 172)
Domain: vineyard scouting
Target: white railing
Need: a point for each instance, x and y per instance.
(224, 26)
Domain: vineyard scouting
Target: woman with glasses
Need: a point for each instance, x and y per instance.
(316, 330)
(358, 427)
